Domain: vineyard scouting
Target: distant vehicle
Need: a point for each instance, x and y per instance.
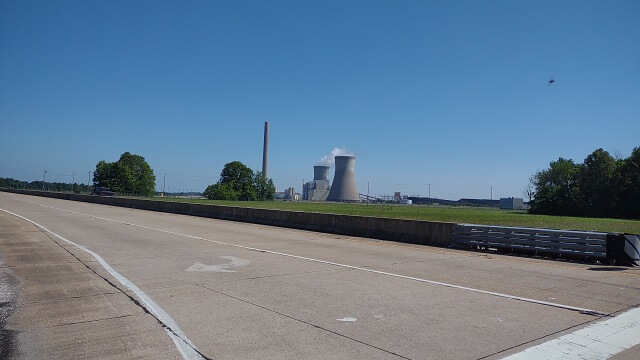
(102, 191)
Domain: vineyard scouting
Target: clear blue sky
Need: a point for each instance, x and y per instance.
(448, 93)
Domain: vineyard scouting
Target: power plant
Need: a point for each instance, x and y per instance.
(344, 188)
(344, 183)
(318, 189)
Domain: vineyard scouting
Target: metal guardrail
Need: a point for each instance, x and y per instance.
(623, 249)
(632, 246)
(583, 244)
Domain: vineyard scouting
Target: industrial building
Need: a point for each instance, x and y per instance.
(288, 194)
(512, 203)
(401, 199)
(318, 189)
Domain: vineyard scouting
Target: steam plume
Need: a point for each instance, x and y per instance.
(329, 160)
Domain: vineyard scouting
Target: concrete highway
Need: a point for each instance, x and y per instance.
(84, 281)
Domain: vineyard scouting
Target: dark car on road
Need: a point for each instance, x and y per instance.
(102, 191)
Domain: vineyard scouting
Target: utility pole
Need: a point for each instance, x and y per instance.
(89, 179)
(73, 182)
(44, 177)
(164, 182)
(429, 191)
(367, 193)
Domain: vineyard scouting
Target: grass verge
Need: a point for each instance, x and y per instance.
(470, 215)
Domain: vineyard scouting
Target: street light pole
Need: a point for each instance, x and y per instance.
(44, 177)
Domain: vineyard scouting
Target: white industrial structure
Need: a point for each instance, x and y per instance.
(511, 203)
(318, 189)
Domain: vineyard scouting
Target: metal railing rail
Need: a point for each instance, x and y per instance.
(584, 244)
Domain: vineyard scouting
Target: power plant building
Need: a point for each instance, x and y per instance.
(318, 189)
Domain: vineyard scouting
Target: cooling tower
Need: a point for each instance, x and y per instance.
(320, 172)
(344, 181)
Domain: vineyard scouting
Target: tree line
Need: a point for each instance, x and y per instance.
(600, 186)
(132, 175)
(129, 175)
(9, 183)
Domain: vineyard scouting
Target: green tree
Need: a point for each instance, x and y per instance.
(556, 189)
(599, 187)
(104, 175)
(220, 191)
(596, 182)
(240, 178)
(129, 175)
(136, 174)
(238, 182)
(628, 186)
(265, 189)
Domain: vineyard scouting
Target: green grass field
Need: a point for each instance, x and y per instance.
(470, 215)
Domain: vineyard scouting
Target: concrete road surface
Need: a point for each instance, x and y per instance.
(83, 281)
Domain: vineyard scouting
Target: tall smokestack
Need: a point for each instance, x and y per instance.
(344, 182)
(320, 172)
(265, 149)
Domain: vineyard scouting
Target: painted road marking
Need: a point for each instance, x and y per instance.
(599, 340)
(235, 262)
(347, 319)
(186, 348)
(492, 293)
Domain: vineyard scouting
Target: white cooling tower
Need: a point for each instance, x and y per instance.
(343, 187)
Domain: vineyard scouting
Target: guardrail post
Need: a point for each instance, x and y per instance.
(623, 249)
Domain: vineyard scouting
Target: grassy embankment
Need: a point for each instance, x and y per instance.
(468, 215)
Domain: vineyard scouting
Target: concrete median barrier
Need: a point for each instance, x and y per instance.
(406, 231)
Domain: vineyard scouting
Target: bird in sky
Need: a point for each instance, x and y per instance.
(551, 81)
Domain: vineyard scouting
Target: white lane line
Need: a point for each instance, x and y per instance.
(513, 297)
(186, 348)
(599, 340)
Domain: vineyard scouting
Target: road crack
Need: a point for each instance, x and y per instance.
(304, 322)
(91, 321)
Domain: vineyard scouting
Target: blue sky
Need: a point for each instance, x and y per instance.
(448, 93)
